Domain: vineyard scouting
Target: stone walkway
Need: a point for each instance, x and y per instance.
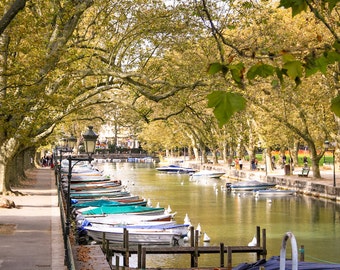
(31, 234)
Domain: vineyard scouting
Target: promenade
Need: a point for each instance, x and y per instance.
(30, 234)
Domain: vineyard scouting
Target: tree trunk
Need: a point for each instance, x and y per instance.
(215, 157)
(315, 159)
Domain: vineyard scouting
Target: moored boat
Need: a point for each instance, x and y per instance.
(208, 174)
(101, 202)
(250, 185)
(129, 218)
(274, 192)
(97, 195)
(175, 169)
(136, 236)
(111, 210)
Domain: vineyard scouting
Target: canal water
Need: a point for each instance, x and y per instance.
(231, 218)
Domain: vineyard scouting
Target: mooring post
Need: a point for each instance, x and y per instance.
(264, 243)
(196, 248)
(117, 262)
(302, 253)
(192, 244)
(143, 259)
(103, 241)
(258, 240)
(139, 256)
(126, 247)
(107, 250)
(221, 255)
(229, 250)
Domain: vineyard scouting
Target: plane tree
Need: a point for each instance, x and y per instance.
(257, 53)
(78, 57)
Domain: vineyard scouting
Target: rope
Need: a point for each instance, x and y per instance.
(317, 259)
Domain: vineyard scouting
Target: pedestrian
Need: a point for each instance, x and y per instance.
(273, 162)
(240, 163)
(252, 162)
(305, 161)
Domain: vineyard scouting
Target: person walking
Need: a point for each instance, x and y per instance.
(240, 163)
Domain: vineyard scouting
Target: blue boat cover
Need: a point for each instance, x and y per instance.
(274, 264)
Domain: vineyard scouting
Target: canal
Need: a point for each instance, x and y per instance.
(232, 218)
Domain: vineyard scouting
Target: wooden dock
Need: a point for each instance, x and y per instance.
(193, 250)
(100, 257)
(89, 257)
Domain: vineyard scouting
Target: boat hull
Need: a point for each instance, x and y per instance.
(251, 186)
(273, 193)
(150, 238)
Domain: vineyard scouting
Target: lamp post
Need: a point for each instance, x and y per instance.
(326, 146)
(90, 139)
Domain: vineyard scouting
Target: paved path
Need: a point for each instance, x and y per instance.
(31, 234)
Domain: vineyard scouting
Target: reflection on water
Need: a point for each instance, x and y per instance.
(231, 218)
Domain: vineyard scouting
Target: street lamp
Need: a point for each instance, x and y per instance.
(90, 138)
(327, 144)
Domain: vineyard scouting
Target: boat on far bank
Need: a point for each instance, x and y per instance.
(208, 174)
(274, 192)
(250, 185)
(175, 169)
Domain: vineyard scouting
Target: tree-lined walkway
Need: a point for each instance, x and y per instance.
(31, 234)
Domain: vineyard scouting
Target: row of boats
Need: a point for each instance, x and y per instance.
(258, 188)
(103, 206)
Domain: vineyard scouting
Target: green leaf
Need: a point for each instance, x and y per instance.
(294, 69)
(288, 57)
(297, 6)
(225, 104)
(237, 72)
(335, 105)
(331, 4)
(262, 70)
(215, 68)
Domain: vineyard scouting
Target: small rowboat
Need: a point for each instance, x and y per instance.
(273, 192)
(251, 185)
(97, 195)
(136, 236)
(175, 169)
(208, 174)
(99, 203)
(129, 218)
(111, 210)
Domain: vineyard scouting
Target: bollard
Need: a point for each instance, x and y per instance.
(229, 250)
(221, 255)
(139, 256)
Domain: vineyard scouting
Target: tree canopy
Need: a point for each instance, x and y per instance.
(260, 68)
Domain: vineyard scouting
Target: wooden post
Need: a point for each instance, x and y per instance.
(143, 259)
(302, 253)
(221, 255)
(229, 250)
(196, 248)
(264, 243)
(139, 256)
(192, 243)
(117, 262)
(258, 240)
(103, 241)
(126, 246)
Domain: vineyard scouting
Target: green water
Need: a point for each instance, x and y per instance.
(232, 218)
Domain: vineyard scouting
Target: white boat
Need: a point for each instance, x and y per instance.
(251, 185)
(274, 192)
(208, 173)
(153, 236)
(175, 169)
(129, 219)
